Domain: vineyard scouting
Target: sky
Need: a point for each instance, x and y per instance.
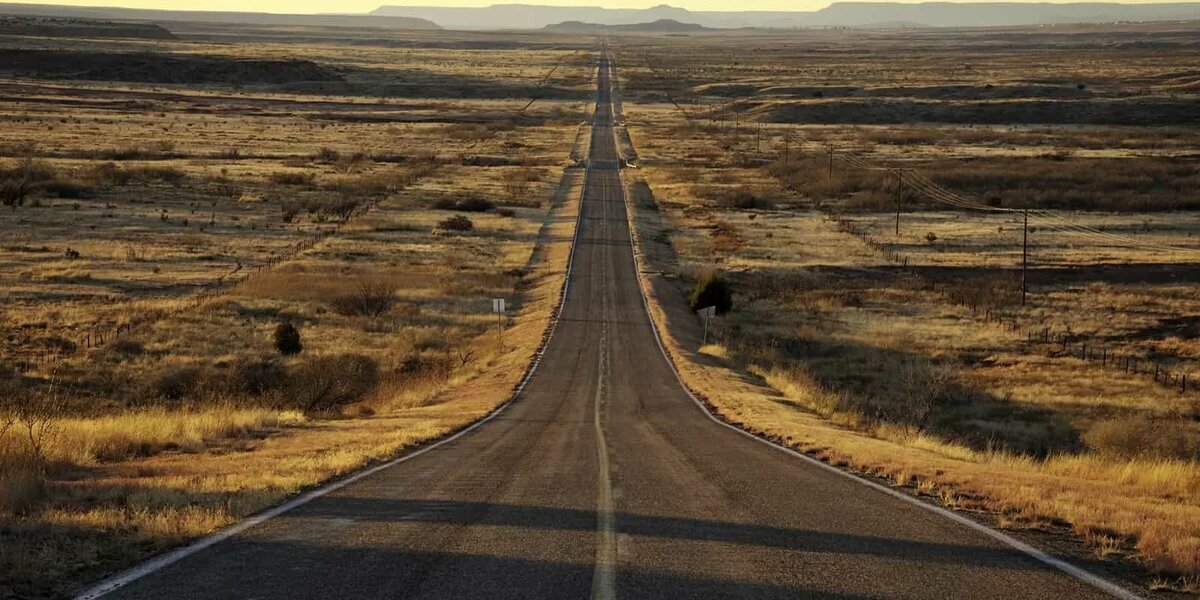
(363, 6)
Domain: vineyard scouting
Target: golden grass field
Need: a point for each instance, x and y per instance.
(836, 350)
(184, 221)
(245, 177)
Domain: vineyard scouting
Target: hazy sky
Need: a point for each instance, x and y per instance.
(348, 6)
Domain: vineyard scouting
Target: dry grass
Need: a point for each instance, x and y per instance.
(187, 422)
(1155, 504)
(833, 350)
(124, 485)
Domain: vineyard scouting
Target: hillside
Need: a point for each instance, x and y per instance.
(659, 26)
(240, 18)
(81, 28)
(838, 14)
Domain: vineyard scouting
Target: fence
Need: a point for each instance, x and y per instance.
(1066, 342)
(99, 335)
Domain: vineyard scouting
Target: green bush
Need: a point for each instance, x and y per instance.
(287, 339)
(712, 289)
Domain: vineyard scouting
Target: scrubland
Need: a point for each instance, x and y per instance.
(909, 356)
(161, 228)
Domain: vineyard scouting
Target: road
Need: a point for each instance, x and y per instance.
(605, 480)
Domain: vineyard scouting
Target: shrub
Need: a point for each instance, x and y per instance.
(327, 155)
(323, 210)
(370, 299)
(287, 339)
(293, 178)
(743, 200)
(22, 483)
(475, 204)
(67, 188)
(289, 212)
(13, 192)
(256, 377)
(1143, 437)
(456, 223)
(517, 184)
(323, 383)
(167, 174)
(176, 382)
(128, 347)
(472, 204)
(712, 289)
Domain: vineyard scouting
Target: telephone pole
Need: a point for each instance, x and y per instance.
(899, 193)
(831, 151)
(1025, 259)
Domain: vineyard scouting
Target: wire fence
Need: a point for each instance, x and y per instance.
(100, 334)
(1169, 373)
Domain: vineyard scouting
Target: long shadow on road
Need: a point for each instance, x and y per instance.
(543, 517)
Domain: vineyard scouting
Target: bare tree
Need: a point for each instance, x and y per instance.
(464, 357)
(38, 414)
(369, 299)
(925, 388)
(516, 185)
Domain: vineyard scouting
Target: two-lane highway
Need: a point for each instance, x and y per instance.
(605, 480)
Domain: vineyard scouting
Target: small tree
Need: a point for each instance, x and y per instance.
(287, 339)
(712, 289)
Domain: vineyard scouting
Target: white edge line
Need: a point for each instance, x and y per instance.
(1077, 572)
(162, 561)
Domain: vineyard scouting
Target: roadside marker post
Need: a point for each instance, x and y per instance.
(706, 313)
(498, 309)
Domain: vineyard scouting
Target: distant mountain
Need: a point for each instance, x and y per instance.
(659, 26)
(80, 28)
(240, 18)
(997, 14)
(838, 14)
(531, 16)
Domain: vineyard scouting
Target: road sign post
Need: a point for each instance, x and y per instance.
(498, 309)
(706, 313)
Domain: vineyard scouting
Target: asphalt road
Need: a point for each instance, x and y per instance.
(605, 480)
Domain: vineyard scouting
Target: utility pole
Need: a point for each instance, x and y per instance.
(706, 313)
(1025, 259)
(831, 151)
(899, 193)
(498, 308)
